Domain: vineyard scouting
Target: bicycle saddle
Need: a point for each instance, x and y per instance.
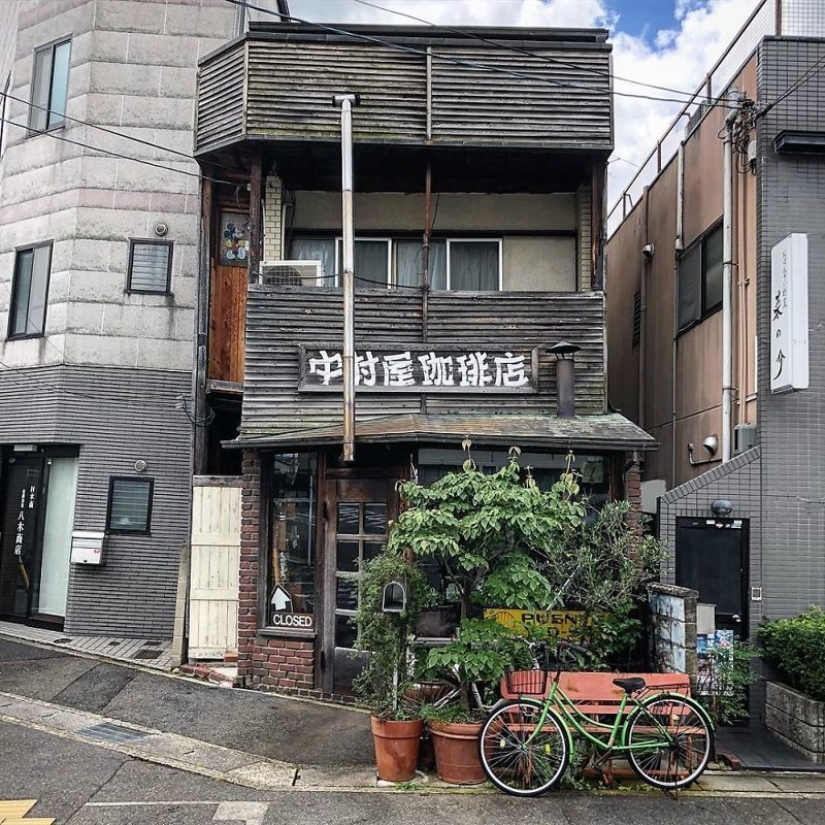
(630, 685)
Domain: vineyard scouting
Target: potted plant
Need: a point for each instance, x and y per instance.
(479, 527)
(393, 592)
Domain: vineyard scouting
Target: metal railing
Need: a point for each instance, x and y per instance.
(791, 18)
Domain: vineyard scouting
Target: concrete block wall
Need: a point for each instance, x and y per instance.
(133, 70)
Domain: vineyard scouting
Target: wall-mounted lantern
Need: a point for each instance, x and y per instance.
(721, 507)
(395, 597)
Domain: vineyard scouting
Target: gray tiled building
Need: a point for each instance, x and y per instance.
(99, 222)
(744, 523)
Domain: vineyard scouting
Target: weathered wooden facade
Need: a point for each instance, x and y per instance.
(479, 186)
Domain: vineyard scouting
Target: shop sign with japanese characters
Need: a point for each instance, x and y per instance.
(421, 369)
(789, 314)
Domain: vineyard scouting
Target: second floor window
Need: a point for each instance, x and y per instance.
(150, 266)
(700, 279)
(50, 86)
(30, 289)
(467, 264)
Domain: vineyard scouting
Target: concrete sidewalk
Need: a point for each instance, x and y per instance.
(250, 739)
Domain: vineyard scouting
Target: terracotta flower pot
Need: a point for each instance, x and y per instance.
(456, 752)
(396, 747)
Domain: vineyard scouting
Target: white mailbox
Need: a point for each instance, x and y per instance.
(87, 547)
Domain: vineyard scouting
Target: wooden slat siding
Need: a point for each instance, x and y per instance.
(280, 319)
(226, 326)
(559, 105)
(220, 99)
(291, 86)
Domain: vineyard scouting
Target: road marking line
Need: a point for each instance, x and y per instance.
(15, 807)
(252, 813)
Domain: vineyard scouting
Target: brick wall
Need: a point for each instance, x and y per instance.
(273, 195)
(264, 660)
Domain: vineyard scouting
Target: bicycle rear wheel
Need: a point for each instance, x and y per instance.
(670, 742)
(515, 765)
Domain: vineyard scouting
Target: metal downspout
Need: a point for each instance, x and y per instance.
(346, 102)
(727, 279)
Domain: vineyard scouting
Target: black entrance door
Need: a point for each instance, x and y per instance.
(19, 549)
(712, 557)
(358, 511)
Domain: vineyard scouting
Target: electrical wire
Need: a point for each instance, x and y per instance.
(109, 131)
(449, 59)
(809, 74)
(473, 36)
(55, 136)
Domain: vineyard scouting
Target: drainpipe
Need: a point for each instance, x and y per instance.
(346, 102)
(727, 280)
(679, 247)
(647, 254)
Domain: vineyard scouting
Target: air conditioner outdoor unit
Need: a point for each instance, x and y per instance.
(744, 438)
(292, 273)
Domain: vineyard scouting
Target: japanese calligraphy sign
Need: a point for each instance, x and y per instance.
(418, 368)
(789, 314)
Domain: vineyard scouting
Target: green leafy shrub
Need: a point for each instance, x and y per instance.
(796, 647)
(730, 672)
(385, 679)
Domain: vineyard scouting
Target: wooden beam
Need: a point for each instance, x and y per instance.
(255, 227)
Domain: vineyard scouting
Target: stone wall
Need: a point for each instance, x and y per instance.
(673, 629)
(796, 720)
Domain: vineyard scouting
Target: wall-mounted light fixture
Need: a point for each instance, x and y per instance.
(721, 507)
(711, 444)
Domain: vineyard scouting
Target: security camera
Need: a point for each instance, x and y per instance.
(647, 250)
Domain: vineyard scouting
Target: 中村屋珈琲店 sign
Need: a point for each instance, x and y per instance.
(421, 369)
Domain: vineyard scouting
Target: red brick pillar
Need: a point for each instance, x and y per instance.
(633, 488)
(249, 554)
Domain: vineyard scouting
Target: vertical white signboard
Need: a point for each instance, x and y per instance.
(789, 314)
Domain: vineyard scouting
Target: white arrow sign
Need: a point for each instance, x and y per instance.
(281, 600)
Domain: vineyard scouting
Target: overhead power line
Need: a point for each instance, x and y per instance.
(536, 78)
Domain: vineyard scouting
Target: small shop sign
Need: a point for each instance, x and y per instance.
(281, 614)
(560, 623)
(421, 369)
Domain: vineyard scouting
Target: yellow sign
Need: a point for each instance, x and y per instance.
(558, 622)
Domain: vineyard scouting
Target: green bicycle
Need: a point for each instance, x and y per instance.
(525, 743)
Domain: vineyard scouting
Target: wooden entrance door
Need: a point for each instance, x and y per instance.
(358, 511)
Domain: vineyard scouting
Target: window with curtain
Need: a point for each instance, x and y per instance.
(150, 266)
(473, 265)
(130, 505)
(30, 290)
(50, 86)
(700, 279)
(316, 249)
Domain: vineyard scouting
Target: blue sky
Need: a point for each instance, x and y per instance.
(643, 18)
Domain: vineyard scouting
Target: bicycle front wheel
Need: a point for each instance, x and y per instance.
(514, 764)
(670, 742)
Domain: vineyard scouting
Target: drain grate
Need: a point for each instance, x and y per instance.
(147, 654)
(107, 732)
(61, 641)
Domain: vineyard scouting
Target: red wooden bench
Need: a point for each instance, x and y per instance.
(593, 692)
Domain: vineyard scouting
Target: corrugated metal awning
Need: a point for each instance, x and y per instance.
(612, 432)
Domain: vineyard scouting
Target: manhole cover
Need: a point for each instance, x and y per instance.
(107, 732)
(147, 654)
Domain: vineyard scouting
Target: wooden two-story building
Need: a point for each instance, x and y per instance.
(479, 184)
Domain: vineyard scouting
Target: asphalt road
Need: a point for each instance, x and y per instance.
(82, 784)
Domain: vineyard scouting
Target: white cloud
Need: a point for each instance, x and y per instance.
(679, 58)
